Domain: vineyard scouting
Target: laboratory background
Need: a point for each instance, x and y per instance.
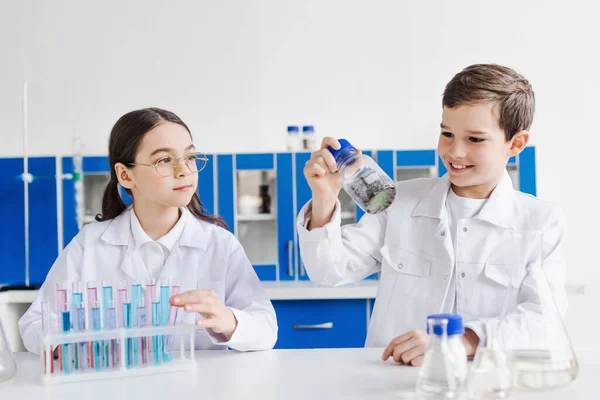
(260, 83)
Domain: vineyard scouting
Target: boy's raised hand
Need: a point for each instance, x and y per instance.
(217, 316)
(321, 171)
(324, 181)
(408, 348)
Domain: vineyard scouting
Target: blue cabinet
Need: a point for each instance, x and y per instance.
(270, 239)
(43, 227)
(305, 324)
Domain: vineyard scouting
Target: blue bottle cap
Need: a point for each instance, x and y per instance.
(344, 145)
(292, 129)
(455, 324)
(308, 128)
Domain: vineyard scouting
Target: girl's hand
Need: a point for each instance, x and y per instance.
(408, 348)
(217, 316)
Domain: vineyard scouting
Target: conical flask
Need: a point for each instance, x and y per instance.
(530, 327)
(490, 377)
(7, 363)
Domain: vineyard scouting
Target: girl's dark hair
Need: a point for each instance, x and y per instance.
(125, 139)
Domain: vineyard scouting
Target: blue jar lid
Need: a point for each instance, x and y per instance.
(344, 145)
(455, 324)
(308, 128)
(292, 129)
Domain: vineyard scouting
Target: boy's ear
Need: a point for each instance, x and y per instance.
(123, 176)
(518, 143)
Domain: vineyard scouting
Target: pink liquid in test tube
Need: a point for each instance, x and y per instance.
(92, 298)
(61, 304)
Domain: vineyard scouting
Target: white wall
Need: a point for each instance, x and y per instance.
(239, 71)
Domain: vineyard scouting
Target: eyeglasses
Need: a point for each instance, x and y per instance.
(167, 166)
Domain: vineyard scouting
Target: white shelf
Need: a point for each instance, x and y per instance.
(255, 217)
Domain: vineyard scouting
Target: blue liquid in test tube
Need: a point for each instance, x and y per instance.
(113, 350)
(107, 297)
(165, 290)
(97, 344)
(156, 340)
(136, 295)
(66, 348)
(126, 324)
(79, 325)
(77, 301)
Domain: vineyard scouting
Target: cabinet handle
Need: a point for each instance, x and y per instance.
(326, 325)
(290, 248)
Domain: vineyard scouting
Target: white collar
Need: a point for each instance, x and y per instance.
(169, 240)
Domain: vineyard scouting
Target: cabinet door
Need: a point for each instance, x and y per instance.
(12, 229)
(43, 222)
(309, 324)
(43, 232)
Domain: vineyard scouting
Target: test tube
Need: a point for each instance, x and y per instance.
(97, 345)
(142, 340)
(79, 325)
(92, 298)
(47, 329)
(121, 298)
(107, 296)
(165, 293)
(172, 317)
(76, 299)
(126, 313)
(150, 295)
(61, 301)
(156, 347)
(65, 322)
(113, 348)
(136, 295)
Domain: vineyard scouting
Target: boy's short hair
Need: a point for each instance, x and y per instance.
(491, 83)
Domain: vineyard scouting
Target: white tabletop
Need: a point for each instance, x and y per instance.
(277, 374)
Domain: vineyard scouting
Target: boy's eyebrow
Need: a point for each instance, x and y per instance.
(469, 132)
(170, 150)
(477, 132)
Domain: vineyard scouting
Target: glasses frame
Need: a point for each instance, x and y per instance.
(200, 156)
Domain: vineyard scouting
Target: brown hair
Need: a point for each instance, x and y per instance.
(485, 83)
(125, 139)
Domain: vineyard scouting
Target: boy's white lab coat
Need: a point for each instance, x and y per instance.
(410, 243)
(103, 251)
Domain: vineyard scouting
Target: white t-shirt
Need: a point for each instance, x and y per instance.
(458, 208)
(155, 253)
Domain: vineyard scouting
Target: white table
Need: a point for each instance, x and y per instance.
(277, 374)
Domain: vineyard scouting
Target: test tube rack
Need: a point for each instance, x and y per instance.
(185, 360)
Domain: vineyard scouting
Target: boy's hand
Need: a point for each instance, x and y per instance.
(217, 316)
(408, 348)
(324, 181)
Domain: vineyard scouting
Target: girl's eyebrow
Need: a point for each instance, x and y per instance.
(170, 150)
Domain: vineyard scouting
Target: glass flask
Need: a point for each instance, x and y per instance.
(490, 377)
(8, 367)
(363, 179)
(444, 369)
(530, 328)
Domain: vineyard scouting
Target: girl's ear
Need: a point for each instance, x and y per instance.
(518, 143)
(123, 176)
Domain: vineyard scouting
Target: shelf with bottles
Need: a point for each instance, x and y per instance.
(256, 217)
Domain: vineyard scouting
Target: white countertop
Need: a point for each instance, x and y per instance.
(276, 374)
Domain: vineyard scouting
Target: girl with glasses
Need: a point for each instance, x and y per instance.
(165, 234)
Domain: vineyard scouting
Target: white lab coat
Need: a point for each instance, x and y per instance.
(410, 244)
(103, 251)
